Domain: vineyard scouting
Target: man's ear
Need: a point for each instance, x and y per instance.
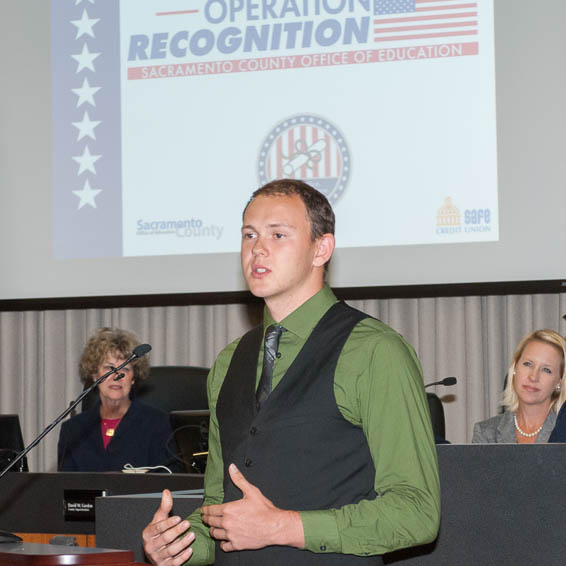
(325, 247)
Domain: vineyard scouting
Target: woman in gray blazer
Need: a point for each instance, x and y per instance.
(535, 391)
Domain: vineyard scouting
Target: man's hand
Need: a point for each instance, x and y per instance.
(253, 521)
(160, 537)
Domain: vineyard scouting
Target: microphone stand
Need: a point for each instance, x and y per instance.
(50, 427)
(139, 351)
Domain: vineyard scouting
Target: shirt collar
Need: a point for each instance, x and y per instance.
(303, 319)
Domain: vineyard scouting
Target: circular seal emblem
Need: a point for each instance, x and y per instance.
(309, 148)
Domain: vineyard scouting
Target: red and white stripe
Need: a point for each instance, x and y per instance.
(431, 19)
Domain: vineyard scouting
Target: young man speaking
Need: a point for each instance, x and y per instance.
(320, 444)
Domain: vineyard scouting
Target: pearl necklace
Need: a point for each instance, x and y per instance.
(527, 434)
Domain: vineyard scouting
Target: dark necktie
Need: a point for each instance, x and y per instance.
(272, 336)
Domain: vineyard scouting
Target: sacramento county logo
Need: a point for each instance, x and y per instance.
(310, 148)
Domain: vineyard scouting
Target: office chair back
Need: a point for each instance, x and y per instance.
(169, 388)
(436, 415)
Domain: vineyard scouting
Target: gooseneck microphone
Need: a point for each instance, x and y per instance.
(139, 351)
(446, 381)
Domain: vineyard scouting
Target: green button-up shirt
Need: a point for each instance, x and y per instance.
(378, 386)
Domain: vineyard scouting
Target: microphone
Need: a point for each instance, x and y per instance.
(445, 381)
(139, 352)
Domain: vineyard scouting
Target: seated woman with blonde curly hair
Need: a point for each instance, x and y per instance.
(117, 430)
(534, 393)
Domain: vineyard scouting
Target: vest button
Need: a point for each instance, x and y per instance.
(323, 548)
(247, 463)
(278, 355)
(253, 431)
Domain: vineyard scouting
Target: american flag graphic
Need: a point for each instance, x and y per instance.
(400, 20)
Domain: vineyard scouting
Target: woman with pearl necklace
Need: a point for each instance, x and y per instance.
(533, 395)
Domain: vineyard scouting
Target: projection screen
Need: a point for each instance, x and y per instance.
(135, 131)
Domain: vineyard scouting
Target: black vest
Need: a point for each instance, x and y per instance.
(298, 449)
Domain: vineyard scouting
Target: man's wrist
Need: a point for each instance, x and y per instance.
(290, 532)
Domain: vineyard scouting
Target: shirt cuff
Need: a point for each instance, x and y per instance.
(321, 531)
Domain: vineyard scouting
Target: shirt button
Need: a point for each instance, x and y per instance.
(247, 463)
(253, 431)
(323, 548)
(278, 355)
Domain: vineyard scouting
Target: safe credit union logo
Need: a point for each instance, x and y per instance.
(449, 220)
(310, 148)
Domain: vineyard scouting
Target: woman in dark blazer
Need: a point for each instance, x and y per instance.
(534, 393)
(116, 431)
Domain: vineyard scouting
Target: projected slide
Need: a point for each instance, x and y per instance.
(167, 114)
